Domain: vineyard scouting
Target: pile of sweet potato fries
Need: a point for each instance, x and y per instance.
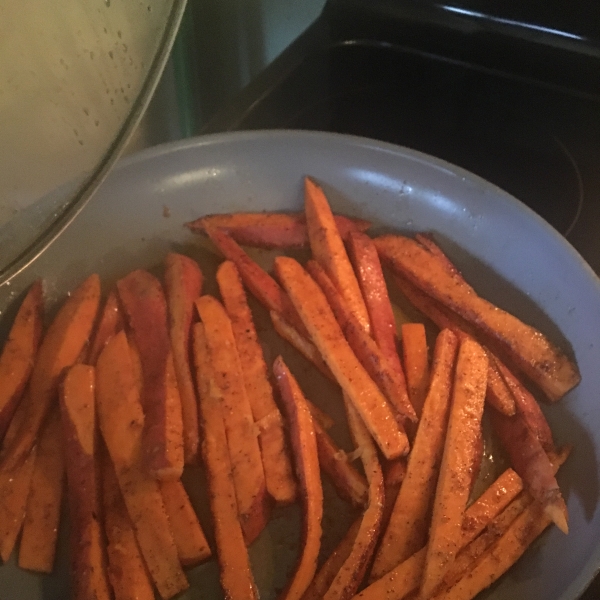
(117, 400)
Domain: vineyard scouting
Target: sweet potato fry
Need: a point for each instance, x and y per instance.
(183, 284)
(496, 528)
(495, 498)
(529, 460)
(405, 578)
(394, 472)
(374, 289)
(416, 363)
(427, 242)
(328, 250)
(320, 416)
(498, 394)
(270, 230)
(302, 344)
(248, 472)
(126, 570)
(261, 285)
(352, 572)
(42, 516)
(528, 407)
(14, 491)
(145, 308)
(453, 488)
(467, 556)
(327, 335)
(121, 420)
(389, 379)
(544, 363)
(408, 526)
(88, 554)
(60, 348)
(331, 567)
(111, 322)
(234, 564)
(277, 466)
(398, 583)
(348, 482)
(19, 352)
(502, 555)
(304, 445)
(192, 546)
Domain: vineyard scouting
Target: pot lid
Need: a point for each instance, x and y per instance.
(75, 78)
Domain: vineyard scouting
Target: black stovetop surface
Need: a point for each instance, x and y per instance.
(514, 98)
(536, 136)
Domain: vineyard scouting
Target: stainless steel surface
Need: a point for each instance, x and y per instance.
(75, 77)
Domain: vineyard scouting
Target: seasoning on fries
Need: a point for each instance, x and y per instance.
(147, 388)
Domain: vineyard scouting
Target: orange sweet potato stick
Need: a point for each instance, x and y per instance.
(528, 407)
(244, 450)
(409, 522)
(544, 363)
(121, 420)
(497, 527)
(19, 352)
(394, 472)
(290, 334)
(352, 572)
(145, 307)
(42, 517)
(390, 380)
(126, 569)
(275, 453)
(517, 526)
(192, 546)
(531, 462)
(304, 445)
(327, 335)
(348, 482)
(88, 553)
(374, 289)
(453, 488)
(183, 284)
(332, 565)
(234, 564)
(270, 230)
(328, 250)
(111, 322)
(498, 393)
(405, 578)
(14, 491)
(261, 285)
(320, 416)
(416, 363)
(502, 555)
(60, 348)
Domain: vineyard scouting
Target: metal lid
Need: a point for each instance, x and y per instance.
(75, 78)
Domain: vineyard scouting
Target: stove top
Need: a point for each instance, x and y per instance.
(512, 98)
(534, 136)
